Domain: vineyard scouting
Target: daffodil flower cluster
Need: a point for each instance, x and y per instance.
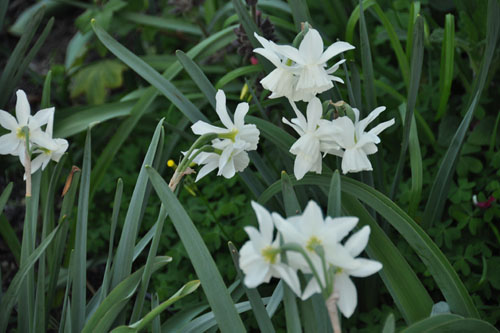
(300, 75)
(313, 245)
(24, 126)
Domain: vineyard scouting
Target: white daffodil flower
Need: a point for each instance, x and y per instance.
(14, 142)
(315, 136)
(260, 258)
(46, 154)
(313, 77)
(343, 285)
(230, 148)
(244, 136)
(281, 81)
(356, 143)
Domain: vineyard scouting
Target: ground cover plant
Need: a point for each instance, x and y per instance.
(312, 166)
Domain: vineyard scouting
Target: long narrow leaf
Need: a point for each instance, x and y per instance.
(300, 12)
(204, 265)
(446, 67)
(450, 323)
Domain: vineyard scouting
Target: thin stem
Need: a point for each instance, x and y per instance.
(27, 162)
(331, 305)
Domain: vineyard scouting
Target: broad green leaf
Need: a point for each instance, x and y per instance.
(122, 263)
(258, 308)
(113, 304)
(45, 103)
(441, 185)
(390, 324)
(9, 298)
(162, 23)
(334, 197)
(446, 66)
(450, 323)
(79, 268)
(96, 79)
(204, 265)
(416, 71)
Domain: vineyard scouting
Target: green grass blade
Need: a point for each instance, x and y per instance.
(17, 56)
(146, 276)
(162, 23)
(447, 64)
(199, 78)
(204, 265)
(416, 71)
(156, 325)
(8, 234)
(412, 18)
(300, 12)
(114, 222)
(3, 10)
(66, 309)
(113, 304)
(440, 187)
(292, 208)
(246, 21)
(185, 290)
(55, 252)
(149, 74)
(5, 196)
(450, 323)
(236, 73)
(122, 264)
(334, 196)
(366, 63)
(45, 103)
(410, 297)
(79, 268)
(10, 296)
(258, 308)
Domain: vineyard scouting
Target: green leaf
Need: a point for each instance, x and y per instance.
(185, 290)
(11, 295)
(447, 63)
(389, 325)
(450, 323)
(94, 80)
(113, 304)
(162, 23)
(204, 265)
(441, 185)
(416, 71)
(258, 308)
(236, 73)
(149, 74)
(45, 103)
(122, 264)
(3, 10)
(8, 234)
(79, 268)
(300, 12)
(334, 197)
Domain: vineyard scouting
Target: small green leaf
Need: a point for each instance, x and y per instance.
(94, 80)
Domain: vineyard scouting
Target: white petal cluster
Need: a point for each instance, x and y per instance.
(230, 148)
(40, 141)
(260, 257)
(301, 73)
(341, 137)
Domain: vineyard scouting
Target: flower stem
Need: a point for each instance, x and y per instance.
(331, 305)
(27, 163)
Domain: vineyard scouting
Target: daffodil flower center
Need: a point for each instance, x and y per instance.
(45, 150)
(270, 254)
(289, 62)
(20, 133)
(313, 243)
(231, 135)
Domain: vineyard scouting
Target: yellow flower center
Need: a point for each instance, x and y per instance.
(270, 254)
(231, 135)
(20, 133)
(312, 243)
